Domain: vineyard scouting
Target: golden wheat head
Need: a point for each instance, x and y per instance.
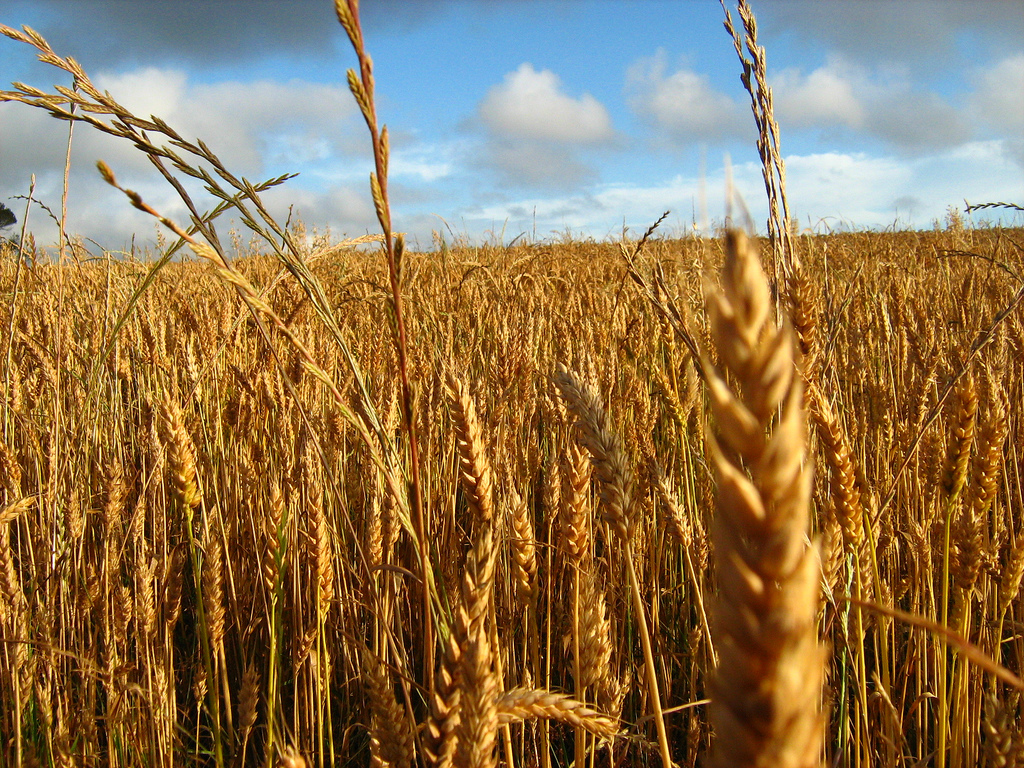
(767, 689)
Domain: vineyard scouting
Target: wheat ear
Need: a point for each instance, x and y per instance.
(248, 703)
(477, 727)
(391, 741)
(439, 738)
(617, 495)
(520, 704)
(767, 689)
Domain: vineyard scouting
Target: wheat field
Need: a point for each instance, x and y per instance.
(573, 503)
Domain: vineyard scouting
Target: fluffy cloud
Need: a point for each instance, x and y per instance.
(869, 191)
(999, 94)
(881, 104)
(682, 103)
(846, 187)
(426, 162)
(840, 94)
(826, 191)
(96, 211)
(532, 105)
(258, 129)
(346, 209)
(535, 131)
(296, 120)
(825, 96)
(33, 148)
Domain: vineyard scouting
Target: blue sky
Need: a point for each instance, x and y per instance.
(535, 117)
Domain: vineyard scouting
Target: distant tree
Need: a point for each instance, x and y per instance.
(7, 217)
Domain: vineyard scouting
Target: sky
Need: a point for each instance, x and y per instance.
(533, 119)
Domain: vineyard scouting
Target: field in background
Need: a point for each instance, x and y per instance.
(187, 453)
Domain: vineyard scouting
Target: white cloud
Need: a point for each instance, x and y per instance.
(148, 91)
(867, 190)
(600, 211)
(882, 103)
(825, 96)
(535, 131)
(346, 209)
(999, 94)
(258, 129)
(825, 190)
(99, 212)
(536, 164)
(853, 187)
(427, 162)
(249, 125)
(683, 103)
(532, 105)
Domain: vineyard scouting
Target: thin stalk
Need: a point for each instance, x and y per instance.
(276, 636)
(645, 642)
(942, 724)
(212, 699)
(348, 15)
(580, 740)
(534, 641)
(863, 722)
(882, 629)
